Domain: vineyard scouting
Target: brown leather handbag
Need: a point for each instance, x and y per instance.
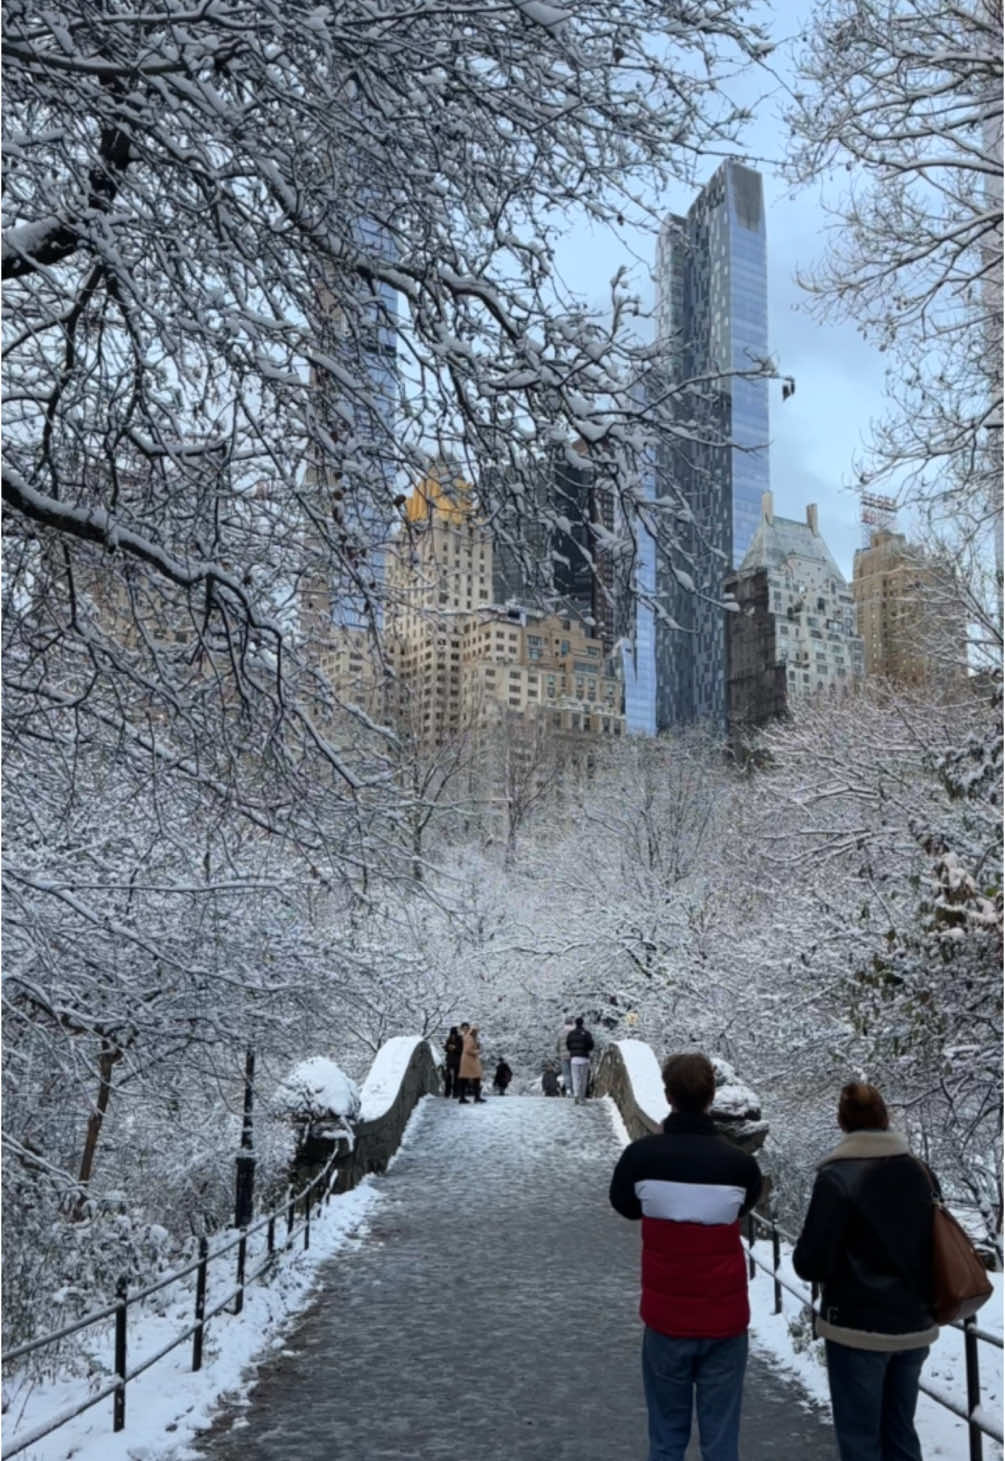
(960, 1283)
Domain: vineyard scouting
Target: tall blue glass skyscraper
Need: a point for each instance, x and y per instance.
(712, 317)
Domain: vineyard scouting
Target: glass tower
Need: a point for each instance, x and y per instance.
(712, 317)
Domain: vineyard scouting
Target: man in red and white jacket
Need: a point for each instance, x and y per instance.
(690, 1186)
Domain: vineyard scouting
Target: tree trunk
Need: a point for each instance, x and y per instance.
(106, 1061)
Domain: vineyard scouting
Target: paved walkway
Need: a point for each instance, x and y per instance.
(488, 1315)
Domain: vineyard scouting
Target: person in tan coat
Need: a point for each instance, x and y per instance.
(471, 1067)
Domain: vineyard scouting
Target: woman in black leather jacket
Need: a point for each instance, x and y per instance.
(867, 1240)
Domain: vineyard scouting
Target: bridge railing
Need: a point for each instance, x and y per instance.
(315, 1194)
(376, 1139)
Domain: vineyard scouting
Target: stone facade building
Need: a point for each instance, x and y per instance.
(793, 633)
(909, 614)
(463, 664)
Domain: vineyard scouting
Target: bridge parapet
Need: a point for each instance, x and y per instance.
(404, 1070)
(629, 1072)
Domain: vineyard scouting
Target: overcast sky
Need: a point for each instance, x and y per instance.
(816, 433)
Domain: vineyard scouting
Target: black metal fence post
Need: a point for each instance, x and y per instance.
(307, 1219)
(119, 1401)
(271, 1239)
(776, 1258)
(244, 1193)
(291, 1214)
(242, 1254)
(973, 1387)
(751, 1265)
(200, 1303)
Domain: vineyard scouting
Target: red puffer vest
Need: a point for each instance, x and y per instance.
(694, 1282)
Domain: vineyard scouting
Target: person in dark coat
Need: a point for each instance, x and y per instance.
(452, 1061)
(690, 1187)
(549, 1081)
(502, 1077)
(867, 1240)
(579, 1043)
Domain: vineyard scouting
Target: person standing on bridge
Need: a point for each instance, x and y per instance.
(458, 1083)
(690, 1187)
(452, 1049)
(579, 1043)
(563, 1054)
(471, 1067)
(867, 1240)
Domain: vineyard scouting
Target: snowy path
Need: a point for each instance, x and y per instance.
(489, 1312)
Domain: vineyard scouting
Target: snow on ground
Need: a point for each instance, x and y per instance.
(786, 1338)
(384, 1080)
(168, 1403)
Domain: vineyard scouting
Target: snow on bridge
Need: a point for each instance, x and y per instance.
(490, 1309)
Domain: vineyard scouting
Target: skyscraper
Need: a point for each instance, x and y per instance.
(712, 319)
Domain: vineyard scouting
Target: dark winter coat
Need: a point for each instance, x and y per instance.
(690, 1186)
(579, 1041)
(452, 1048)
(867, 1240)
(503, 1075)
(549, 1083)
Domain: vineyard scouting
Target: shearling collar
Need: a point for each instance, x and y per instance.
(859, 1144)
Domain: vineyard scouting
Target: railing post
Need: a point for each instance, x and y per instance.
(751, 1265)
(242, 1253)
(307, 1219)
(119, 1402)
(244, 1182)
(271, 1239)
(776, 1258)
(200, 1303)
(973, 1387)
(291, 1215)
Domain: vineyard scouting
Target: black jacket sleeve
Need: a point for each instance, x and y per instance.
(820, 1241)
(622, 1194)
(754, 1184)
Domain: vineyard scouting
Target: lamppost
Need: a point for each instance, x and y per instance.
(244, 1195)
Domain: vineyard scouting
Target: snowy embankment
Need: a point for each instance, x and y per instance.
(168, 1403)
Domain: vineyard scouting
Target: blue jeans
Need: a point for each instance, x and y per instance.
(708, 1372)
(873, 1396)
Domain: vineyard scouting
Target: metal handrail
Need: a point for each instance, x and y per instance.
(173, 1277)
(119, 1309)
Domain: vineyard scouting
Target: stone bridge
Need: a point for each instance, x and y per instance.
(489, 1307)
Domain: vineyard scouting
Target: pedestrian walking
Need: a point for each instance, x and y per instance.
(459, 1084)
(579, 1043)
(563, 1054)
(471, 1067)
(452, 1047)
(867, 1240)
(502, 1077)
(549, 1081)
(690, 1187)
